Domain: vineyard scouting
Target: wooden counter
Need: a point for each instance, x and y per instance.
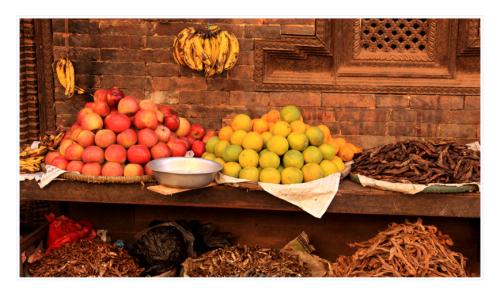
(258, 218)
(351, 198)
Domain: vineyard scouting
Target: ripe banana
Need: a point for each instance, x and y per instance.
(199, 55)
(66, 76)
(188, 54)
(211, 50)
(223, 40)
(179, 44)
(233, 52)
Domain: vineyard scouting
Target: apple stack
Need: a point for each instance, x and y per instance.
(117, 135)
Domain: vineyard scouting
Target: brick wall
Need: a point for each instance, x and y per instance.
(135, 55)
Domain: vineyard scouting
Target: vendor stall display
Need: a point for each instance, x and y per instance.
(199, 148)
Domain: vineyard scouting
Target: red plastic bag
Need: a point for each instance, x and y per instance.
(64, 230)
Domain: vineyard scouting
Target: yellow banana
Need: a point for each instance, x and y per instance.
(174, 52)
(66, 76)
(207, 48)
(179, 44)
(199, 50)
(199, 56)
(223, 40)
(66, 72)
(234, 50)
(188, 55)
(60, 71)
(71, 77)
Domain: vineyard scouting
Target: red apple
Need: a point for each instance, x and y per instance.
(148, 170)
(74, 126)
(186, 142)
(190, 140)
(138, 154)
(172, 122)
(159, 116)
(127, 138)
(112, 169)
(91, 169)
(145, 119)
(128, 105)
(104, 138)
(117, 122)
(116, 153)
(113, 97)
(51, 156)
(177, 147)
(198, 148)
(147, 137)
(89, 105)
(197, 131)
(163, 133)
(133, 169)
(100, 95)
(167, 111)
(91, 121)
(101, 108)
(93, 154)
(160, 150)
(81, 114)
(184, 127)
(60, 162)
(74, 166)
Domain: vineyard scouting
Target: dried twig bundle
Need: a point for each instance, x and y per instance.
(245, 261)
(403, 250)
(86, 258)
(422, 162)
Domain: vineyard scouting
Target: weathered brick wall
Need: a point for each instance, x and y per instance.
(135, 55)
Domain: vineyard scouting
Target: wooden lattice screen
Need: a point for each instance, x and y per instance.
(29, 116)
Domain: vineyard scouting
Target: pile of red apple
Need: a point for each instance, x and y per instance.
(117, 135)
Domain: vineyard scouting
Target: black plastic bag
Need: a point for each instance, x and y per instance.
(206, 237)
(162, 247)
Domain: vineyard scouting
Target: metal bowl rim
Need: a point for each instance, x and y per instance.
(219, 166)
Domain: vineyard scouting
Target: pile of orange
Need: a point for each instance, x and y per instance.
(278, 147)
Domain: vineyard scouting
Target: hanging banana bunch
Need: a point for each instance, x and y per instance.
(66, 77)
(211, 50)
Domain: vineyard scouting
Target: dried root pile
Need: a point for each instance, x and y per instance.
(420, 162)
(244, 261)
(403, 250)
(86, 258)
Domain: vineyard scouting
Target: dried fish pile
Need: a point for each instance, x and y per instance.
(86, 258)
(403, 250)
(245, 261)
(420, 162)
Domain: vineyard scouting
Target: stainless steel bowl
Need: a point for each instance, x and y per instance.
(184, 172)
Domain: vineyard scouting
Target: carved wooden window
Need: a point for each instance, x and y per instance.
(373, 55)
(398, 39)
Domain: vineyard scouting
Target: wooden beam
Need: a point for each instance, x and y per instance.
(351, 198)
(45, 75)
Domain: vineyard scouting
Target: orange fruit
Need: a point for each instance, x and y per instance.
(273, 116)
(260, 125)
(242, 121)
(339, 141)
(225, 133)
(325, 130)
(346, 151)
